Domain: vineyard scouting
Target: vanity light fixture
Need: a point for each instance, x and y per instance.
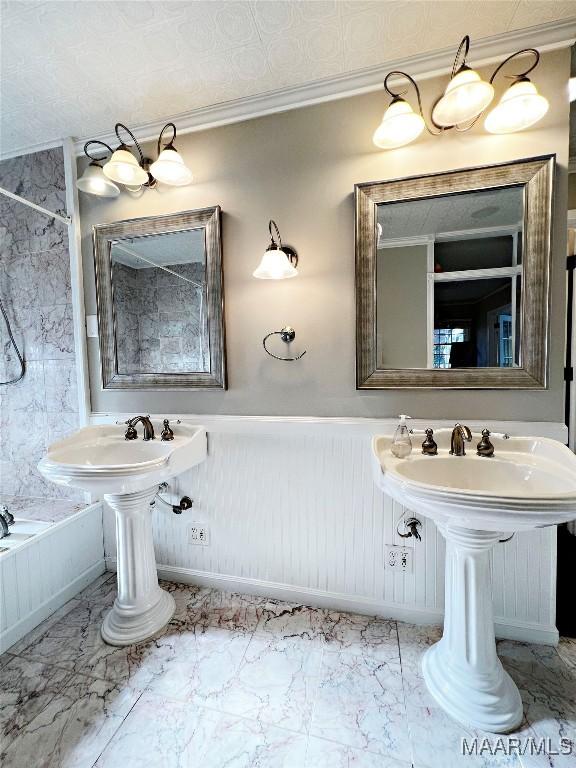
(128, 166)
(465, 98)
(279, 261)
(521, 105)
(170, 167)
(400, 124)
(93, 181)
(466, 95)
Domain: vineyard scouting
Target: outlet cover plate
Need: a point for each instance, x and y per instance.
(199, 534)
(398, 559)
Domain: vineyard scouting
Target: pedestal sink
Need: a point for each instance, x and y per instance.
(127, 473)
(475, 502)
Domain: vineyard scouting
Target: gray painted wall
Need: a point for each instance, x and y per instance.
(300, 168)
(35, 289)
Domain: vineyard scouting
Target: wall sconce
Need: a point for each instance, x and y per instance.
(131, 170)
(465, 98)
(279, 261)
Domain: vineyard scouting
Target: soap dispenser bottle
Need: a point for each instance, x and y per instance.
(401, 443)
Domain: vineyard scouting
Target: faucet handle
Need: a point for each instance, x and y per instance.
(167, 433)
(429, 446)
(130, 433)
(485, 447)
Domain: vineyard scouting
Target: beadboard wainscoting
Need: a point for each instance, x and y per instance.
(293, 512)
(42, 574)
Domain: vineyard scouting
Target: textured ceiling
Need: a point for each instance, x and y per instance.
(167, 249)
(452, 213)
(75, 68)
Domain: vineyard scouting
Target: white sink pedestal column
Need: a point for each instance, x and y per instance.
(141, 608)
(462, 671)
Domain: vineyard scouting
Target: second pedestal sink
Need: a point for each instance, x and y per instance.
(475, 502)
(127, 473)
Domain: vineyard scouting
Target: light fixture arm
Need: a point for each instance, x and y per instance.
(399, 94)
(170, 144)
(291, 254)
(457, 66)
(102, 144)
(134, 139)
(273, 243)
(520, 75)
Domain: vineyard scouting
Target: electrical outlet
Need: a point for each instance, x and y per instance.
(199, 534)
(399, 559)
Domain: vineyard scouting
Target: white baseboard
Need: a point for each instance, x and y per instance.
(505, 628)
(26, 624)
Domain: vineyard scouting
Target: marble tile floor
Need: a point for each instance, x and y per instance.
(237, 681)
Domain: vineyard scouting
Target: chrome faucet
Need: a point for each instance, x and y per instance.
(460, 434)
(131, 433)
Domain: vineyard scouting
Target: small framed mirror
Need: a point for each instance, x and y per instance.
(452, 278)
(160, 301)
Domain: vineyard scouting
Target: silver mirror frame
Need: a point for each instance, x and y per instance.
(536, 176)
(104, 236)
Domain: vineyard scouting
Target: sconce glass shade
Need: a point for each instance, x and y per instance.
(400, 125)
(275, 265)
(520, 107)
(94, 182)
(123, 168)
(465, 97)
(171, 169)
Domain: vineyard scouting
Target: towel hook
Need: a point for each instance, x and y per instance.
(287, 334)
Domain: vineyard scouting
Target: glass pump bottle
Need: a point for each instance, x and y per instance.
(401, 443)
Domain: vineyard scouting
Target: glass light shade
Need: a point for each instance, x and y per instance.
(466, 95)
(275, 265)
(94, 182)
(400, 125)
(125, 169)
(572, 89)
(520, 107)
(171, 169)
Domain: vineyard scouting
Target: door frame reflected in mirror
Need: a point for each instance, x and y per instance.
(536, 177)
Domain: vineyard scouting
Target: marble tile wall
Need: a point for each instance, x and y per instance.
(160, 321)
(36, 292)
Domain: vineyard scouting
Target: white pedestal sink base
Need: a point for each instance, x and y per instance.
(141, 608)
(462, 671)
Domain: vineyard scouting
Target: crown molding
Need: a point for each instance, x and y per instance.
(545, 37)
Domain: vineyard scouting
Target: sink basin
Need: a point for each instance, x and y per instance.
(475, 502)
(127, 473)
(528, 483)
(99, 460)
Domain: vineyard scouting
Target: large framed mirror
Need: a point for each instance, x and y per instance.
(160, 301)
(452, 278)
